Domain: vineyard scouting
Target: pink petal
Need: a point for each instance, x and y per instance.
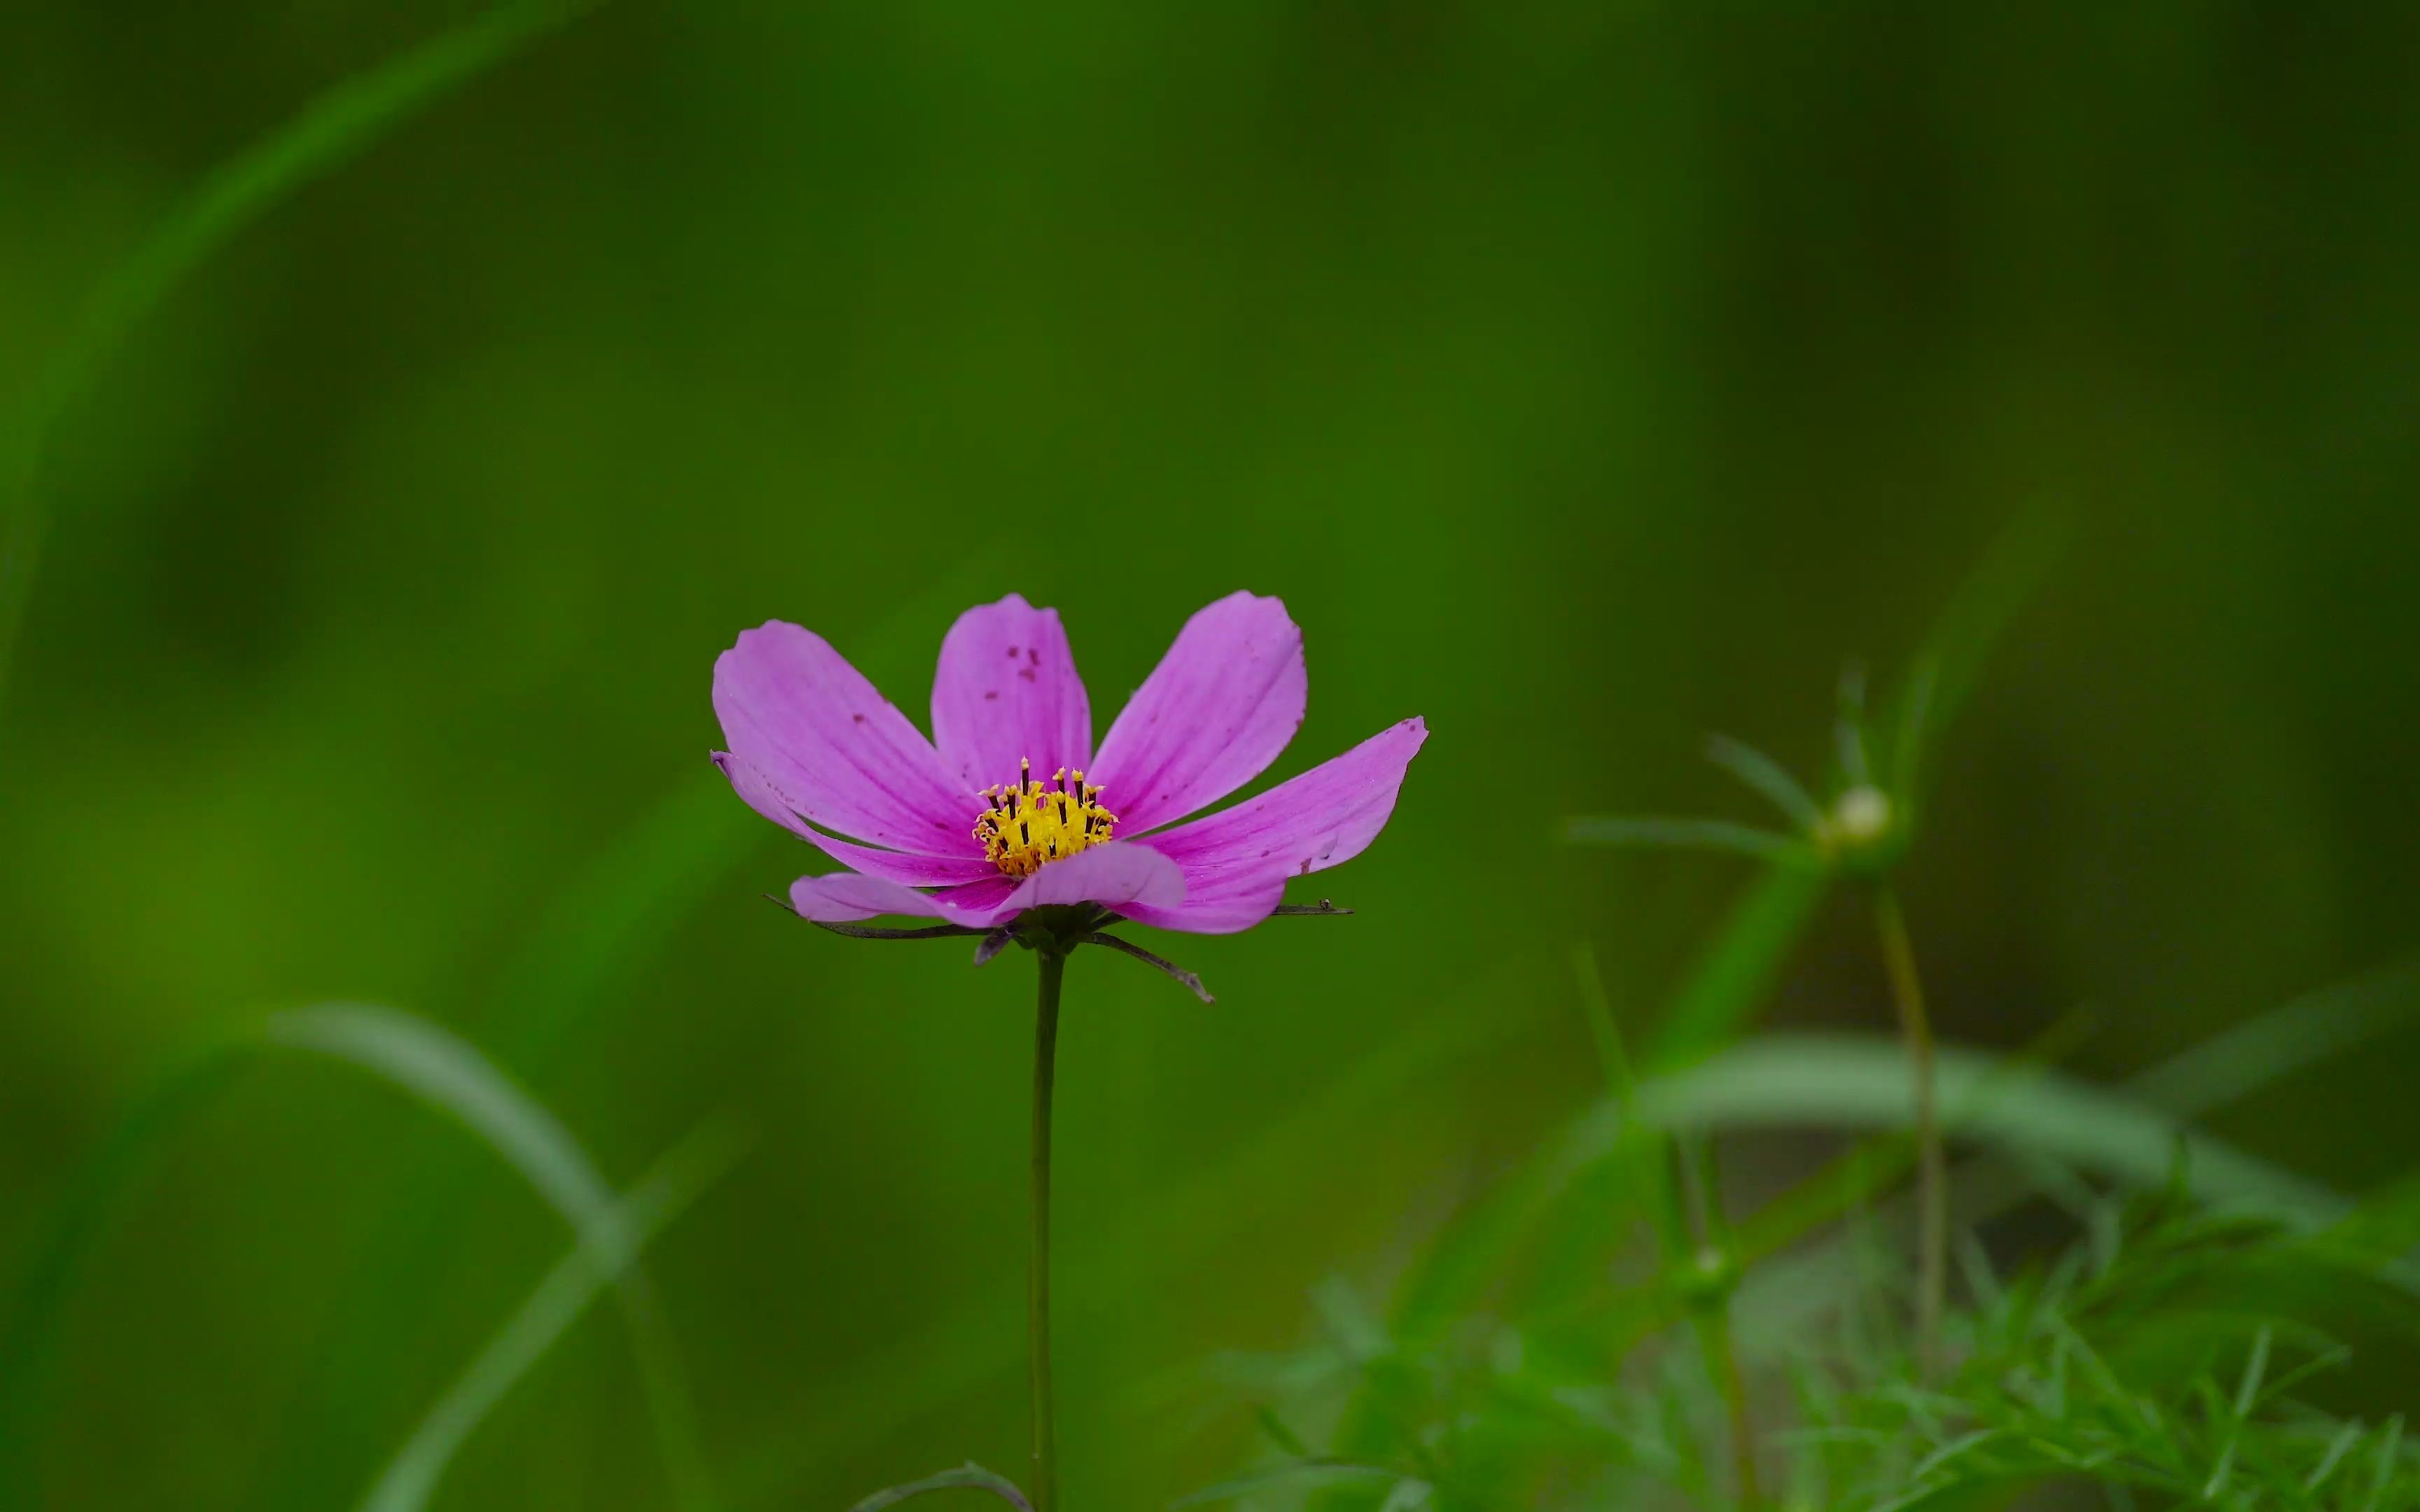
(1006, 689)
(758, 792)
(1218, 708)
(1116, 874)
(1225, 904)
(1238, 859)
(844, 897)
(834, 749)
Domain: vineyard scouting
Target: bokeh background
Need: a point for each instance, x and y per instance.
(1583, 377)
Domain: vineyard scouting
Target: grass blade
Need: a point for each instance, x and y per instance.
(1692, 835)
(2390, 1450)
(327, 131)
(1739, 966)
(2241, 1060)
(969, 1476)
(1944, 672)
(1767, 776)
(671, 1186)
(2246, 1393)
(1858, 1081)
(2338, 1448)
(450, 1074)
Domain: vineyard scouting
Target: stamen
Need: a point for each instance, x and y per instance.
(1054, 817)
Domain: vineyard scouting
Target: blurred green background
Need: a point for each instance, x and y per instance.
(1583, 376)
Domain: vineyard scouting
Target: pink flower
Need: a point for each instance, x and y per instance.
(1009, 808)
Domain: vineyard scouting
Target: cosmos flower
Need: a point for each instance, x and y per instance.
(1009, 807)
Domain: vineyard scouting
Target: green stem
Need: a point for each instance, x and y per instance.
(1722, 1362)
(1702, 1205)
(1690, 1226)
(1046, 1046)
(1933, 1172)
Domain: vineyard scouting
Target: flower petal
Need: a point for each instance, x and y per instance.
(844, 897)
(835, 750)
(1238, 860)
(1006, 689)
(1218, 708)
(1227, 905)
(909, 870)
(1114, 874)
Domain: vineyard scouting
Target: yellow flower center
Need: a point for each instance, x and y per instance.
(1026, 827)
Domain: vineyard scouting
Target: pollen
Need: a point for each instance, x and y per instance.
(1029, 824)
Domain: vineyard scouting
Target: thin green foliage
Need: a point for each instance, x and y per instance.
(969, 1477)
(444, 1071)
(1852, 1081)
(1501, 1396)
(2269, 1046)
(2174, 1363)
(327, 133)
(671, 1186)
(2071, 1372)
(1765, 775)
(1744, 957)
(1944, 673)
(448, 1073)
(1697, 835)
(1741, 967)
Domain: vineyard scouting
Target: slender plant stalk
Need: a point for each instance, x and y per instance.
(1702, 1205)
(1045, 1048)
(1688, 1222)
(1932, 1171)
(1722, 1359)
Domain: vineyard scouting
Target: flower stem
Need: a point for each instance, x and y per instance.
(1722, 1361)
(1932, 1174)
(1046, 1046)
(1690, 1226)
(1701, 1203)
